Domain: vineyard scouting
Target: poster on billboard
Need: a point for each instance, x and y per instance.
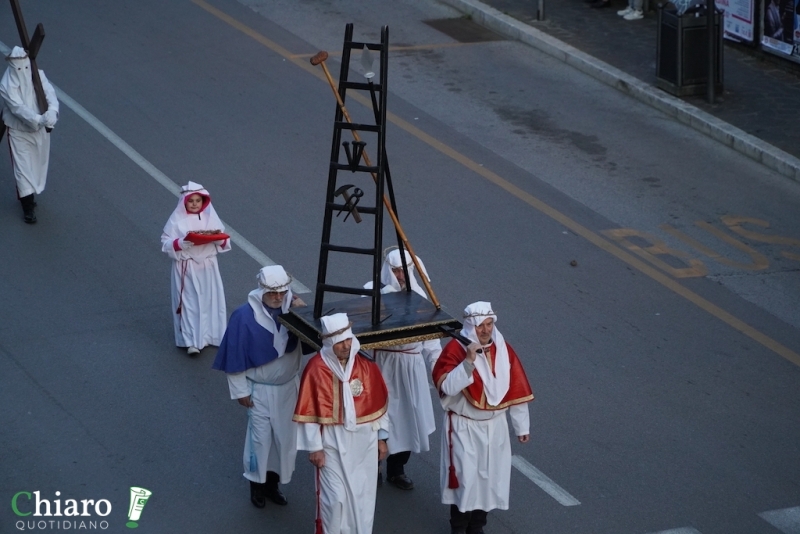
(739, 15)
(782, 28)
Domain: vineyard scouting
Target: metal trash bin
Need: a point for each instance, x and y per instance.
(682, 51)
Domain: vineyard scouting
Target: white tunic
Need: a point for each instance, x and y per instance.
(197, 288)
(195, 282)
(348, 481)
(27, 138)
(411, 418)
(481, 447)
(271, 438)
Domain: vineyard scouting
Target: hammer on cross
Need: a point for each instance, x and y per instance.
(32, 45)
(350, 201)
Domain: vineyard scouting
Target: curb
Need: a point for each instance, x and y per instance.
(719, 130)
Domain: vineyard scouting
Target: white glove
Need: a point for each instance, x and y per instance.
(40, 121)
(50, 118)
(185, 244)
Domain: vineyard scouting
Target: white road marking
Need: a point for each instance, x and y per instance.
(542, 480)
(159, 176)
(684, 530)
(786, 520)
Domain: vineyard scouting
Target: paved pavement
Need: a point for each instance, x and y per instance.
(756, 115)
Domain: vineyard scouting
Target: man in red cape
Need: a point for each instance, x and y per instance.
(341, 409)
(477, 385)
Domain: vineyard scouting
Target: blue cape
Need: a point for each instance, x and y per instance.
(246, 344)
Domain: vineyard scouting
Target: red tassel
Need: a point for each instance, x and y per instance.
(180, 296)
(318, 522)
(452, 479)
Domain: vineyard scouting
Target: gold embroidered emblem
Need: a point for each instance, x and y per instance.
(356, 387)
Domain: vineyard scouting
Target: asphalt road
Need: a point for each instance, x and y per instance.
(665, 363)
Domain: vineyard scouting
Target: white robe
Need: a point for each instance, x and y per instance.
(271, 438)
(481, 447)
(410, 414)
(348, 481)
(28, 140)
(196, 283)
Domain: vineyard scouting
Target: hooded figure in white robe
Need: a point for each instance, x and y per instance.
(404, 370)
(262, 360)
(341, 409)
(198, 298)
(28, 138)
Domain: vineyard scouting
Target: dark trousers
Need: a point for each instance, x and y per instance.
(395, 464)
(471, 522)
(273, 479)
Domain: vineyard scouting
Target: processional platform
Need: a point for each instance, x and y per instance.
(379, 320)
(405, 318)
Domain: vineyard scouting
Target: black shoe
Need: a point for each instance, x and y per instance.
(257, 495)
(28, 205)
(454, 530)
(276, 496)
(402, 482)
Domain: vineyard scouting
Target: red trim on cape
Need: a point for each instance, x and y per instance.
(519, 389)
(317, 403)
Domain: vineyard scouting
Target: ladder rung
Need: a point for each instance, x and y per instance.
(359, 207)
(343, 289)
(360, 127)
(361, 86)
(359, 45)
(351, 250)
(359, 168)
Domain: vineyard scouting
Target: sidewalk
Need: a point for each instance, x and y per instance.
(758, 114)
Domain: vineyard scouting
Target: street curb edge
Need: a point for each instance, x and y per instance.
(719, 130)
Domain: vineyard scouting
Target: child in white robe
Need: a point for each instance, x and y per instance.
(198, 298)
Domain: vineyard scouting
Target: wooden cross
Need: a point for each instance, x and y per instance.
(32, 46)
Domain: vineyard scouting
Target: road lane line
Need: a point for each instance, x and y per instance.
(249, 249)
(543, 481)
(683, 530)
(591, 236)
(786, 520)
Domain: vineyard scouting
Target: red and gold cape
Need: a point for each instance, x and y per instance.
(519, 389)
(320, 397)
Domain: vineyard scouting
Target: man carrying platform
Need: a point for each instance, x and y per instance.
(404, 370)
(263, 360)
(341, 409)
(478, 384)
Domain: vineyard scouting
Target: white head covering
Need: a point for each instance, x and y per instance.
(272, 278)
(17, 88)
(393, 261)
(496, 384)
(336, 328)
(19, 76)
(181, 221)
